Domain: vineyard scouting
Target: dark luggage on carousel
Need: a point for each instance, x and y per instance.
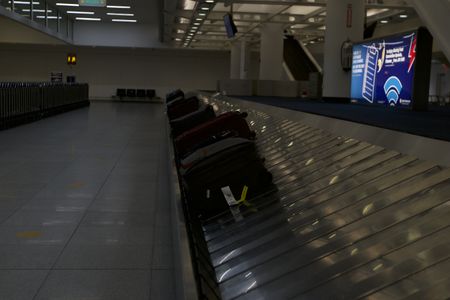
(210, 150)
(189, 121)
(177, 94)
(210, 181)
(182, 108)
(233, 122)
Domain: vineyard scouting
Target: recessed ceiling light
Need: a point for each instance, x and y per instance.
(87, 19)
(199, 19)
(202, 14)
(209, 1)
(73, 12)
(205, 8)
(120, 14)
(36, 10)
(67, 4)
(118, 6)
(403, 16)
(178, 39)
(48, 17)
(24, 2)
(196, 24)
(384, 21)
(124, 20)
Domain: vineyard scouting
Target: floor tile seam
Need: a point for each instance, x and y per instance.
(81, 220)
(37, 192)
(158, 194)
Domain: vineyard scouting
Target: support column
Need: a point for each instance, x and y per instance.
(271, 65)
(344, 20)
(245, 60)
(235, 60)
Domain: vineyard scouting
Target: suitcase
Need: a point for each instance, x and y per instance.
(231, 121)
(177, 94)
(208, 141)
(210, 150)
(189, 121)
(233, 168)
(182, 107)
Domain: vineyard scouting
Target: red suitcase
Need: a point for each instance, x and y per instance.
(183, 107)
(230, 121)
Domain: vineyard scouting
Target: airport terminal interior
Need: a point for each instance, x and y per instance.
(224, 149)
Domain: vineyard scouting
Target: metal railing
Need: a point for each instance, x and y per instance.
(22, 102)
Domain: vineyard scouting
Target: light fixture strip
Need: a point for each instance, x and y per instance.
(201, 12)
(124, 20)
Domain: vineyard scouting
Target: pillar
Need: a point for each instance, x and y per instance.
(344, 20)
(245, 59)
(235, 60)
(271, 60)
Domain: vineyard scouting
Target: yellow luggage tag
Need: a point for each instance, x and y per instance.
(243, 199)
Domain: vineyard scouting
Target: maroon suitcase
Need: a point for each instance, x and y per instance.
(230, 121)
(183, 107)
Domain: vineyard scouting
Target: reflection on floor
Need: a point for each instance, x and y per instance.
(83, 213)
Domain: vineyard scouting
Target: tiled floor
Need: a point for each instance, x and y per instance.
(83, 206)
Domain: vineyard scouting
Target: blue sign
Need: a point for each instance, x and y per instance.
(383, 70)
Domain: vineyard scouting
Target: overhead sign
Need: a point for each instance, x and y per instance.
(95, 3)
(71, 59)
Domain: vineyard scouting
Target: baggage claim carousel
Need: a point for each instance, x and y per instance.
(348, 220)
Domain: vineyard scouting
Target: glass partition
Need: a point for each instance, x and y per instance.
(40, 11)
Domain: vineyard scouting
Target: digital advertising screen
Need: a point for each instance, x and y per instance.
(383, 70)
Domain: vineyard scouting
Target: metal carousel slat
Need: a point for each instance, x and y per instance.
(348, 220)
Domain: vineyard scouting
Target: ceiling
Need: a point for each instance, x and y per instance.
(143, 11)
(190, 26)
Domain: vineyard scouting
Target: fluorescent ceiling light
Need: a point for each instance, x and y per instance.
(209, 1)
(199, 19)
(67, 4)
(120, 14)
(196, 23)
(73, 12)
(205, 8)
(178, 39)
(49, 17)
(383, 21)
(403, 16)
(36, 10)
(24, 2)
(124, 20)
(87, 19)
(119, 6)
(202, 14)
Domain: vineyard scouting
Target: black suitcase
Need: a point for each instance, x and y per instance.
(189, 121)
(180, 108)
(177, 94)
(231, 169)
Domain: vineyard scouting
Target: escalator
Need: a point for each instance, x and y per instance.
(298, 61)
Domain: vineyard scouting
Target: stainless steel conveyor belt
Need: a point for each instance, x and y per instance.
(349, 220)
